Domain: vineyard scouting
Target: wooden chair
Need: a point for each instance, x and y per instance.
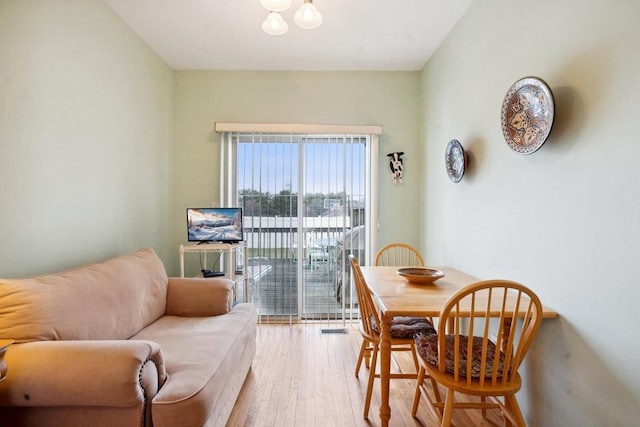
(402, 331)
(478, 313)
(399, 254)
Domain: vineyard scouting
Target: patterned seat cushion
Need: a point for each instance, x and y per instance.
(407, 327)
(427, 346)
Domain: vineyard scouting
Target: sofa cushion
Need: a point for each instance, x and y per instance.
(108, 300)
(199, 297)
(203, 357)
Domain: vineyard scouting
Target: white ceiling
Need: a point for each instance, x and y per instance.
(355, 35)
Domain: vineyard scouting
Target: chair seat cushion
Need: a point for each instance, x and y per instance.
(407, 327)
(427, 345)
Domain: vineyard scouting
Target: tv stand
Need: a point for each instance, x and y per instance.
(231, 253)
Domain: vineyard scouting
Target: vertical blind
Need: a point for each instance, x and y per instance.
(307, 202)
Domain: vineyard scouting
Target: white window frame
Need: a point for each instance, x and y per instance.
(228, 156)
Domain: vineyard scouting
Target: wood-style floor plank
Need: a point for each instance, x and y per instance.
(301, 377)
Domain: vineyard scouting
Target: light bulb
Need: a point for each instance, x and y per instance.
(276, 5)
(274, 24)
(308, 16)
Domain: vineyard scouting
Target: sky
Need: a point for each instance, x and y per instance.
(330, 166)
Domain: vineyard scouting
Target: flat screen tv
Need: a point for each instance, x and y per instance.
(214, 225)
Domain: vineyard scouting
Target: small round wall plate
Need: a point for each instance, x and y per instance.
(455, 160)
(527, 115)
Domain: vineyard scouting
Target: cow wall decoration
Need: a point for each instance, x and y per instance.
(396, 167)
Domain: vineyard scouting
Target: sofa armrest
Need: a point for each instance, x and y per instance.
(113, 373)
(199, 297)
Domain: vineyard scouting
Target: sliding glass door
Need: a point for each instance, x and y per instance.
(306, 204)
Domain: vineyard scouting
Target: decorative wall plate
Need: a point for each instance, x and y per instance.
(455, 160)
(527, 115)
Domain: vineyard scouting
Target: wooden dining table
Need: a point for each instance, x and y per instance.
(395, 296)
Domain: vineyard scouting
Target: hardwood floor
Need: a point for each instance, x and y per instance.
(301, 377)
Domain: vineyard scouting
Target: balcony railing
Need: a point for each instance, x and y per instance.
(309, 282)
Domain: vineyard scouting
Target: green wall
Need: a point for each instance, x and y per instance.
(363, 98)
(103, 146)
(563, 220)
(85, 137)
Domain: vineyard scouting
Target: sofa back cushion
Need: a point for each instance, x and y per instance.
(108, 300)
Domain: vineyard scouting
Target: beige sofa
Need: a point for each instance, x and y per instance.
(119, 343)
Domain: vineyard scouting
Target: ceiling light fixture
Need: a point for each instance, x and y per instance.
(307, 17)
(275, 25)
(276, 5)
